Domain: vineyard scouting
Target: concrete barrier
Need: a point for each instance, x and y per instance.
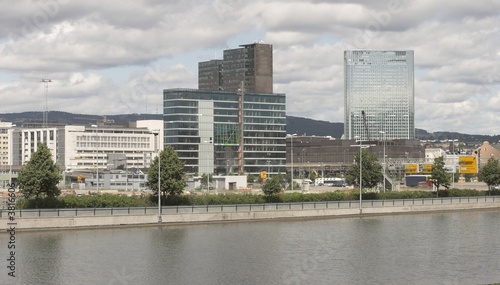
(168, 219)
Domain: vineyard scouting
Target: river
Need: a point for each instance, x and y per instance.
(433, 248)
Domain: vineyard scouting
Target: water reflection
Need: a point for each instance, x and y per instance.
(437, 248)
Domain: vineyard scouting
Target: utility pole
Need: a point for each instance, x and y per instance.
(46, 111)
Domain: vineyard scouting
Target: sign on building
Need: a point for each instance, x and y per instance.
(467, 164)
(411, 168)
(426, 168)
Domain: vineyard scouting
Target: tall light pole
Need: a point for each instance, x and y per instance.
(302, 165)
(97, 156)
(156, 133)
(291, 142)
(453, 162)
(361, 146)
(383, 167)
(46, 111)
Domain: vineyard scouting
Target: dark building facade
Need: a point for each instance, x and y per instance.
(251, 63)
(203, 127)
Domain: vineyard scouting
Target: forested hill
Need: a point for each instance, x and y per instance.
(294, 125)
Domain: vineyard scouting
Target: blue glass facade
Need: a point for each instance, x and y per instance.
(203, 127)
(379, 94)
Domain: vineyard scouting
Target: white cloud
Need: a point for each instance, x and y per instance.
(106, 58)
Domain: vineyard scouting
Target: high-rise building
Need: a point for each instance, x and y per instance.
(204, 128)
(251, 63)
(210, 75)
(378, 94)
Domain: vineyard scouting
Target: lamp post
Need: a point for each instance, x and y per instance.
(156, 133)
(97, 156)
(453, 162)
(361, 146)
(383, 167)
(302, 165)
(291, 142)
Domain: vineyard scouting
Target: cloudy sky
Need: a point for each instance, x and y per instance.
(115, 57)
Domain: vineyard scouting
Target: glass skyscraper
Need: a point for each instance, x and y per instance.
(203, 127)
(378, 94)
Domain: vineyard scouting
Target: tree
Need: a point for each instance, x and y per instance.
(372, 170)
(206, 180)
(490, 173)
(273, 185)
(439, 176)
(171, 174)
(39, 177)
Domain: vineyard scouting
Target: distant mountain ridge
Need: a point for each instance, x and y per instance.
(294, 125)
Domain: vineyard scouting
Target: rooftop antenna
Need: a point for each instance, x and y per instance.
(46, 111)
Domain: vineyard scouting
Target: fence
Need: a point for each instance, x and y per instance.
(172, 210)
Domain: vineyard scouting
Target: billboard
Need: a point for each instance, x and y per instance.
(467, 164)
(411, 168)
(426, 168)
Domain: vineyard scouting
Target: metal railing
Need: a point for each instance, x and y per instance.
(172, 210)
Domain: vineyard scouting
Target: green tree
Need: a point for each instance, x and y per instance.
(372, 170)
(439, 176)
(39, 177)
(206, 180)
(172, 174)
(273, 185)
(251, 178)
(490, 173)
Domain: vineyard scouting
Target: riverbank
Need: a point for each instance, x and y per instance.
(75, 222)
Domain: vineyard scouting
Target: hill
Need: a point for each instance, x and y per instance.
(294, 125)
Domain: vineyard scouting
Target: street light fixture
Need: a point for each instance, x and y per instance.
(97, 156)
(453, 161)
(156, 133)
(361, 146)
(384, 139)
(291, 142)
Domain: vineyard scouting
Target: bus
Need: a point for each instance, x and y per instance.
(330, 181)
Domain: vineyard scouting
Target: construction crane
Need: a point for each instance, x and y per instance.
(365, 124)
(241, 95)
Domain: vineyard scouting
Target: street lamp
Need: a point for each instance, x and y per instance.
(302, 165)
(361, 146)
(291, 142)
(453, 162)
(97, 156)
(384, 138)
(156, 133)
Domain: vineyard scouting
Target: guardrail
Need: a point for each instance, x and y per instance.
(172, 210)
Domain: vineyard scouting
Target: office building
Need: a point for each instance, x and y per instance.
(203, 127)
(107, 147)
(378, 94)
(251, 64)
(6, 130)
(25, 142)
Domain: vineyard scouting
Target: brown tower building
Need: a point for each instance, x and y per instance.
(252, 63)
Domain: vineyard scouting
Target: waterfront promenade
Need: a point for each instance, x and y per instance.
(109, 217)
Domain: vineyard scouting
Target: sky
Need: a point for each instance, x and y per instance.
(116, 57)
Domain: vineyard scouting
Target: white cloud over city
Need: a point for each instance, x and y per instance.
(117, 57)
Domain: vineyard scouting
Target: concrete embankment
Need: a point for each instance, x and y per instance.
(170, 219)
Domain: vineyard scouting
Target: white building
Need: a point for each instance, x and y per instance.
(25, 142)
(6, 130)
(432, 153)
(106, 147)
(6, 170)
